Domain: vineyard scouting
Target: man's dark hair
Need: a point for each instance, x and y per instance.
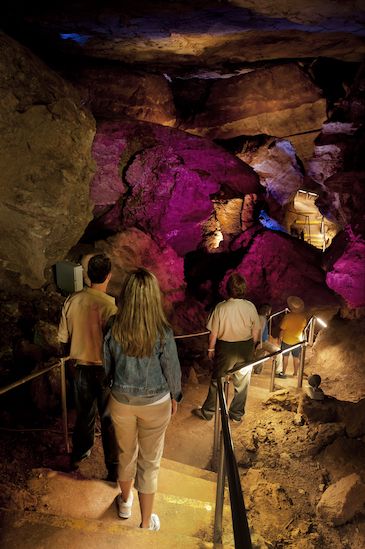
(98, 268)
(236, 286)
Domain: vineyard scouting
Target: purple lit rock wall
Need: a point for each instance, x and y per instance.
(276, 265)
(133, 248)
(346, 268)
(161, 180)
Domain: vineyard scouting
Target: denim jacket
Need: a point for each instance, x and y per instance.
(144, 376)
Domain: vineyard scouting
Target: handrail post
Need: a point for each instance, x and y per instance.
(301, 365)
(221, 478)
(64, 404)
(217, 423)
(311, 331)
(273, 371)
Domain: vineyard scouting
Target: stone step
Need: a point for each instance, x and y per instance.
(184, 504)
(188, 469)
(30, 530)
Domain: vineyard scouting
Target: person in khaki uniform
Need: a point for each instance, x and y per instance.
(83, 321)
(234, 329)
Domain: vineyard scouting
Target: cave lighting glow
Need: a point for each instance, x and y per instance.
(321, 322)
(217, 239)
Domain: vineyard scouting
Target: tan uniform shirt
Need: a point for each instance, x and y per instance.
(234, 320)
(84, 315)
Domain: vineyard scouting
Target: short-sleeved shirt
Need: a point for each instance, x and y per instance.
(83, 320)
(292, 326)
(234, 320)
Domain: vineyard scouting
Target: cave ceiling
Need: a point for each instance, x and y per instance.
(182, 36)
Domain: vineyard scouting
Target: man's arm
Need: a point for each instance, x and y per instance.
(211, 345)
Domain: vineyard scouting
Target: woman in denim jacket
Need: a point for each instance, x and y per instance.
(141, 360)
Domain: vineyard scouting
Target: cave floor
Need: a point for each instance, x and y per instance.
(282, 481)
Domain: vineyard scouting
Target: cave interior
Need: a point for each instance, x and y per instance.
(195, 139)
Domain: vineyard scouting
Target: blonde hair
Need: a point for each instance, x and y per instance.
(140, 319)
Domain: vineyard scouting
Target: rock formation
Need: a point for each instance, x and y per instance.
(45, 166)
(162, 180)
(277, 265)
(278, 168)
(279, 100)
(141, 96)
(132, 248)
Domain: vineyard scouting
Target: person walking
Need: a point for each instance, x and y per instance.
(234, 329)
(84, 317)
(291, 332)
(141, 360)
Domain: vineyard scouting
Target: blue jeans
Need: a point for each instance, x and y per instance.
(91, 396)
(227, 356)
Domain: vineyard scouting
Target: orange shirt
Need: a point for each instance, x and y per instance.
(292, 327)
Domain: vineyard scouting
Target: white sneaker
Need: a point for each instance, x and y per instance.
(125, 507)
(154, 524)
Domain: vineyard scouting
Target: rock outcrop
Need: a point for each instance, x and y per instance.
(162, 180)
(114, 92)
(45, 166)
(132, 248)
(345, 265)
(276, 265)
(279, 101)
(342, 500)
(278, 169)
(337, 360)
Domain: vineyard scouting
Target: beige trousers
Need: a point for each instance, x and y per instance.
(140, 433)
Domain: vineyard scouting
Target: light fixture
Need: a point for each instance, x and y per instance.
(321, 322)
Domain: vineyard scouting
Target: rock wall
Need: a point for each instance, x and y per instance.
(276, 265)
(162, 181)
(280, 101)
(45, 166)
(110, 92)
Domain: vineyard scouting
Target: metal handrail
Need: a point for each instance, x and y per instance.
(241, 531)
(225, 451)
(34, 375)
(286, 310)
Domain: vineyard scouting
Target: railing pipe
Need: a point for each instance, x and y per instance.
(286, 310)
(25, 379)
(217, 419)
(221, 479)
(64, 404)
(241, 531)
(272, 377)
(301, 366)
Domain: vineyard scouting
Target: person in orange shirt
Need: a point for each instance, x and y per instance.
(291, 332)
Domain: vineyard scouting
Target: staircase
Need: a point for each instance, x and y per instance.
(317, 230)
(76, 513)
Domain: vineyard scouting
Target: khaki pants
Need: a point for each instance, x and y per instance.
(140, 433)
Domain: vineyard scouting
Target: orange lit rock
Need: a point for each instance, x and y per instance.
(45, 166)
(112, 92)
(279, 101)
(342, 500)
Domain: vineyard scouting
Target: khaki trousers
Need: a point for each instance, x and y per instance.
(140, 433)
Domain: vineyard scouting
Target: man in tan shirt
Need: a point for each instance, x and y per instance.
(83, 320)
(234, 329)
